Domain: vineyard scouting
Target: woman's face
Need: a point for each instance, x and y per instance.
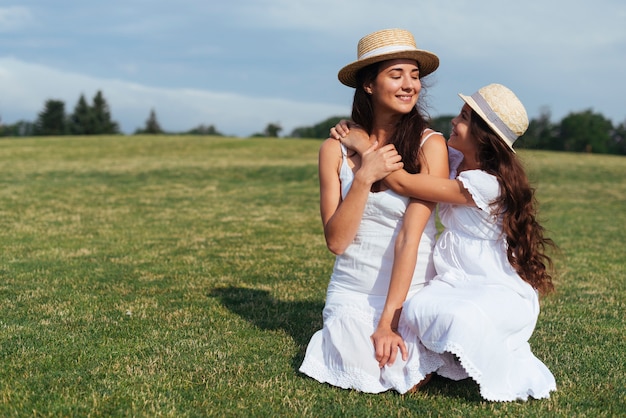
(396, 87)
(460, 138)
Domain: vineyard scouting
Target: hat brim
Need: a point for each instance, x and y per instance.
(472, 103)
(426, 61)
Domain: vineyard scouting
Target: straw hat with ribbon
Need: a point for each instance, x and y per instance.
(385, 45)
(500, 108)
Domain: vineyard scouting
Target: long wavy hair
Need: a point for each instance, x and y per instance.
(517, 204)
(406, 136)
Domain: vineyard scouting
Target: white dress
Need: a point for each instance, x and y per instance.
(342, 353)
(477, 311)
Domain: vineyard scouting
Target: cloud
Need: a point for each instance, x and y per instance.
(14, 18)
(27, 86)
(241, 65)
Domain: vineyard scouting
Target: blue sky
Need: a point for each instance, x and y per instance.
(241, 64)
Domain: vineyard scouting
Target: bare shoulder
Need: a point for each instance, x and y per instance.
(330, 155)
(330, 146)
(430, 136)
(435, 154)
(435, 143)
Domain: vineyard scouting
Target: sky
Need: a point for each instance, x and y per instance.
(241, 64)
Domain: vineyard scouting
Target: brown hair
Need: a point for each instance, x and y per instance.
(527, 245)
(409, 127)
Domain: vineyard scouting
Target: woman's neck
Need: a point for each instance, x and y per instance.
(383, 127)
(382, 133)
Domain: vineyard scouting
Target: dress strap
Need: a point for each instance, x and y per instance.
(344, 150)
(428, 135)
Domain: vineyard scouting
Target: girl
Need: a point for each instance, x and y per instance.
(480, 310)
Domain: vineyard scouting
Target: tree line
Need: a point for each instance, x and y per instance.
(86, 119)
(585, 131)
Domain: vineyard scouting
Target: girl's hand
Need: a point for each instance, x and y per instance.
(351, 135)
(386, 344)
(340, 130)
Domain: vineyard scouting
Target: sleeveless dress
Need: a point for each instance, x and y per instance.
(478, 312)
(342, 353)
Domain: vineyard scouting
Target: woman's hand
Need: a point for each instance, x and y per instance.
(377, 163)
(386, 344)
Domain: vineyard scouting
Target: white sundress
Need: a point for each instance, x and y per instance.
(342, 353)
(477, 311)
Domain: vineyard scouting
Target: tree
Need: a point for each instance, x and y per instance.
(51, 120)
(541, 133)
(152, 125)
(586, 131)
(204, 130)
(272, 130)
(618, 143)
(81, 121)
(319, 130)
(19, 128)
(442, 124)
(103, 124)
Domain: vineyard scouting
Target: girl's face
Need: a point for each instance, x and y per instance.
(396, 87)
(460, 138)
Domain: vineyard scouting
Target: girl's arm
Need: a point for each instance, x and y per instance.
(420, 186)
(427, 187)
(341, 218)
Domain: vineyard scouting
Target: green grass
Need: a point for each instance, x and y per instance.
(183, 276)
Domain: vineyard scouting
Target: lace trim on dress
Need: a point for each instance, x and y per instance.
(476, 375)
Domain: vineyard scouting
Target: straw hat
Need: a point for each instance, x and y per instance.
(501, 109)
(385, 45)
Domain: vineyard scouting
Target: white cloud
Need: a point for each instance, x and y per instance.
(250, 62)
(14, 18)
(27, 86)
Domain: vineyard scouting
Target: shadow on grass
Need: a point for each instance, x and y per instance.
(302, 319)
(466, 390)
(298, 319)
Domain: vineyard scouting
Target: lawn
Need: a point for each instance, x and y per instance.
(184, 276)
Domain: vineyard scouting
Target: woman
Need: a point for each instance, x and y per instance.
(482, 307)
(374, 232)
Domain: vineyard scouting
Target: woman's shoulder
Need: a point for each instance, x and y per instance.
(429, 133)
(331, 146)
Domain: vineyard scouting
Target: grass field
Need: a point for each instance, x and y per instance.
(183, 277)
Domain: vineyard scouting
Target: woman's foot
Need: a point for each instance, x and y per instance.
(421, 383)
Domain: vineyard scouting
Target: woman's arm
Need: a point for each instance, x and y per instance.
(386, 338)
(341, 218)
(433, 160)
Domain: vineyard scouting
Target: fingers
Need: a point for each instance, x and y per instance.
(340, 130)
(345, 126)
(404, 351)
(386, 353)
(383, 352)
(371, 148)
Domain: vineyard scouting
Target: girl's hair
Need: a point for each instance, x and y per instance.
(406, 137)
(518, 206)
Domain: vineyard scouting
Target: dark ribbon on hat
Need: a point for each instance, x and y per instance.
(493, 117)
